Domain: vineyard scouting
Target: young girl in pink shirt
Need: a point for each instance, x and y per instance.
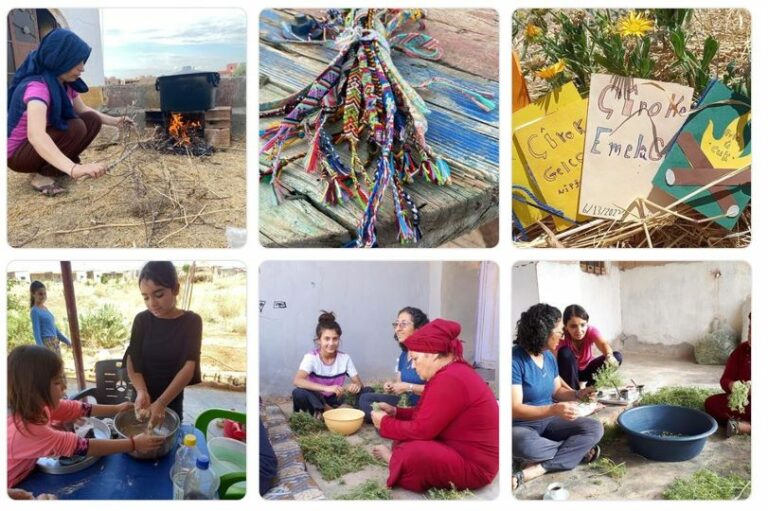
(36, 384)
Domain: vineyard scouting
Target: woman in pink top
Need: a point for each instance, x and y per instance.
(575, 360)
(49, 125)
(36, 384)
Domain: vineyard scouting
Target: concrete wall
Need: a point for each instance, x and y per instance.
(86, 23)
(673, 303)
(564, 283)
(365, 298)
(143, 96)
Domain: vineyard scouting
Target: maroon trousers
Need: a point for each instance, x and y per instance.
(717, 407)
(80, 133)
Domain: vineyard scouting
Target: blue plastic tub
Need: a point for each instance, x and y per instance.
(667, 433)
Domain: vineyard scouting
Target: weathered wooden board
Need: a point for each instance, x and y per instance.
(464, 135)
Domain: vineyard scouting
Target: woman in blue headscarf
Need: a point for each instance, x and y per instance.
(49, 125)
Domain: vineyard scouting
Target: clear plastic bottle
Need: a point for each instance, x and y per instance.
(202, 483)
(186, 460)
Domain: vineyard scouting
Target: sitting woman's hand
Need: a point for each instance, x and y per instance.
(585, 393)
(353, 388)
(400, 387)
(92, 170)
(387, 408)
(388, 387)
(336, 389)
(567, 410)
(156, 414)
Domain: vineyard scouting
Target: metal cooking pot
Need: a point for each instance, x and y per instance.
(128, 425)
(189, 92)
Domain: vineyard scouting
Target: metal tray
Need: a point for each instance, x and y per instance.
(53, 466)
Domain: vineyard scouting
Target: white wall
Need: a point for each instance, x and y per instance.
(525, 290)
(564, 283)
(86, 23)
(672, 303)
(365, 298)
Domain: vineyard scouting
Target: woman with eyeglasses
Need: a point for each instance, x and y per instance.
(407, 381)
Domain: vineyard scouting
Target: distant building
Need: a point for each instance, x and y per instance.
(229, 70)
(21, 276)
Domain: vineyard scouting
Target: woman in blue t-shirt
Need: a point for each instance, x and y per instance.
(547, 432)
(409, 319)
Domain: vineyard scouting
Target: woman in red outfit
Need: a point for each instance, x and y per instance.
(451, 437)
(737, 368)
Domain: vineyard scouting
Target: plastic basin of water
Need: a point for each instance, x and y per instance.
(667, 433)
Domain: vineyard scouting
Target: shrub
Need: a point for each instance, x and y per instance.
(103, 328)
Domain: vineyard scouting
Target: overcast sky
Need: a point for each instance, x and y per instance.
(161, 41)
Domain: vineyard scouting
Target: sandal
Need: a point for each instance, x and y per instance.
(518, 478)
(50, 190)
(731, 428)
(592, 456)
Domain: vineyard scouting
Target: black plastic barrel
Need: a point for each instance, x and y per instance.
(190, 92)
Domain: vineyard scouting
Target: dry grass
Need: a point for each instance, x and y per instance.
(148, 199)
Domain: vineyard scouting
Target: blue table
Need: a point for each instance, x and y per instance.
(118, 476)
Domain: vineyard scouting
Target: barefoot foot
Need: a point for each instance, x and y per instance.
(382, 452)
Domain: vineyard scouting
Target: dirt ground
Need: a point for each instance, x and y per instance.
(367, 437)
(149, 199)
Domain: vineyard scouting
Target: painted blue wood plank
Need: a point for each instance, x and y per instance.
(415, 71)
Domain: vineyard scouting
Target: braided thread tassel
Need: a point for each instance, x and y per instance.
(353, 100)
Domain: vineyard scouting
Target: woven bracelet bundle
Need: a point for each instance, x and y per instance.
(362, 102)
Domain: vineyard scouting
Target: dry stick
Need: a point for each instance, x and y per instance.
(160, 242)
(161, 221)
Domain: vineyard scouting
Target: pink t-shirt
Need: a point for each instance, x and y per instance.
(27, 443)
(34, 90)
(584, 355)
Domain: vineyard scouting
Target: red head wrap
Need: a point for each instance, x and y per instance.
(437, 336)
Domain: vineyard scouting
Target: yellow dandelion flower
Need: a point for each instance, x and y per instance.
(550, 72)
(532, 31)
(633, 24)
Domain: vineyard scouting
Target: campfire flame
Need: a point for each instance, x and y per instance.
(181, 130)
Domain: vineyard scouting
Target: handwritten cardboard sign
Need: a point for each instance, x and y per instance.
(553, 150)
(715, 140)
(526, 213)
(629, 124)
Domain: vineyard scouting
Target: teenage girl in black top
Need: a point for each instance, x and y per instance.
(163, 356)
